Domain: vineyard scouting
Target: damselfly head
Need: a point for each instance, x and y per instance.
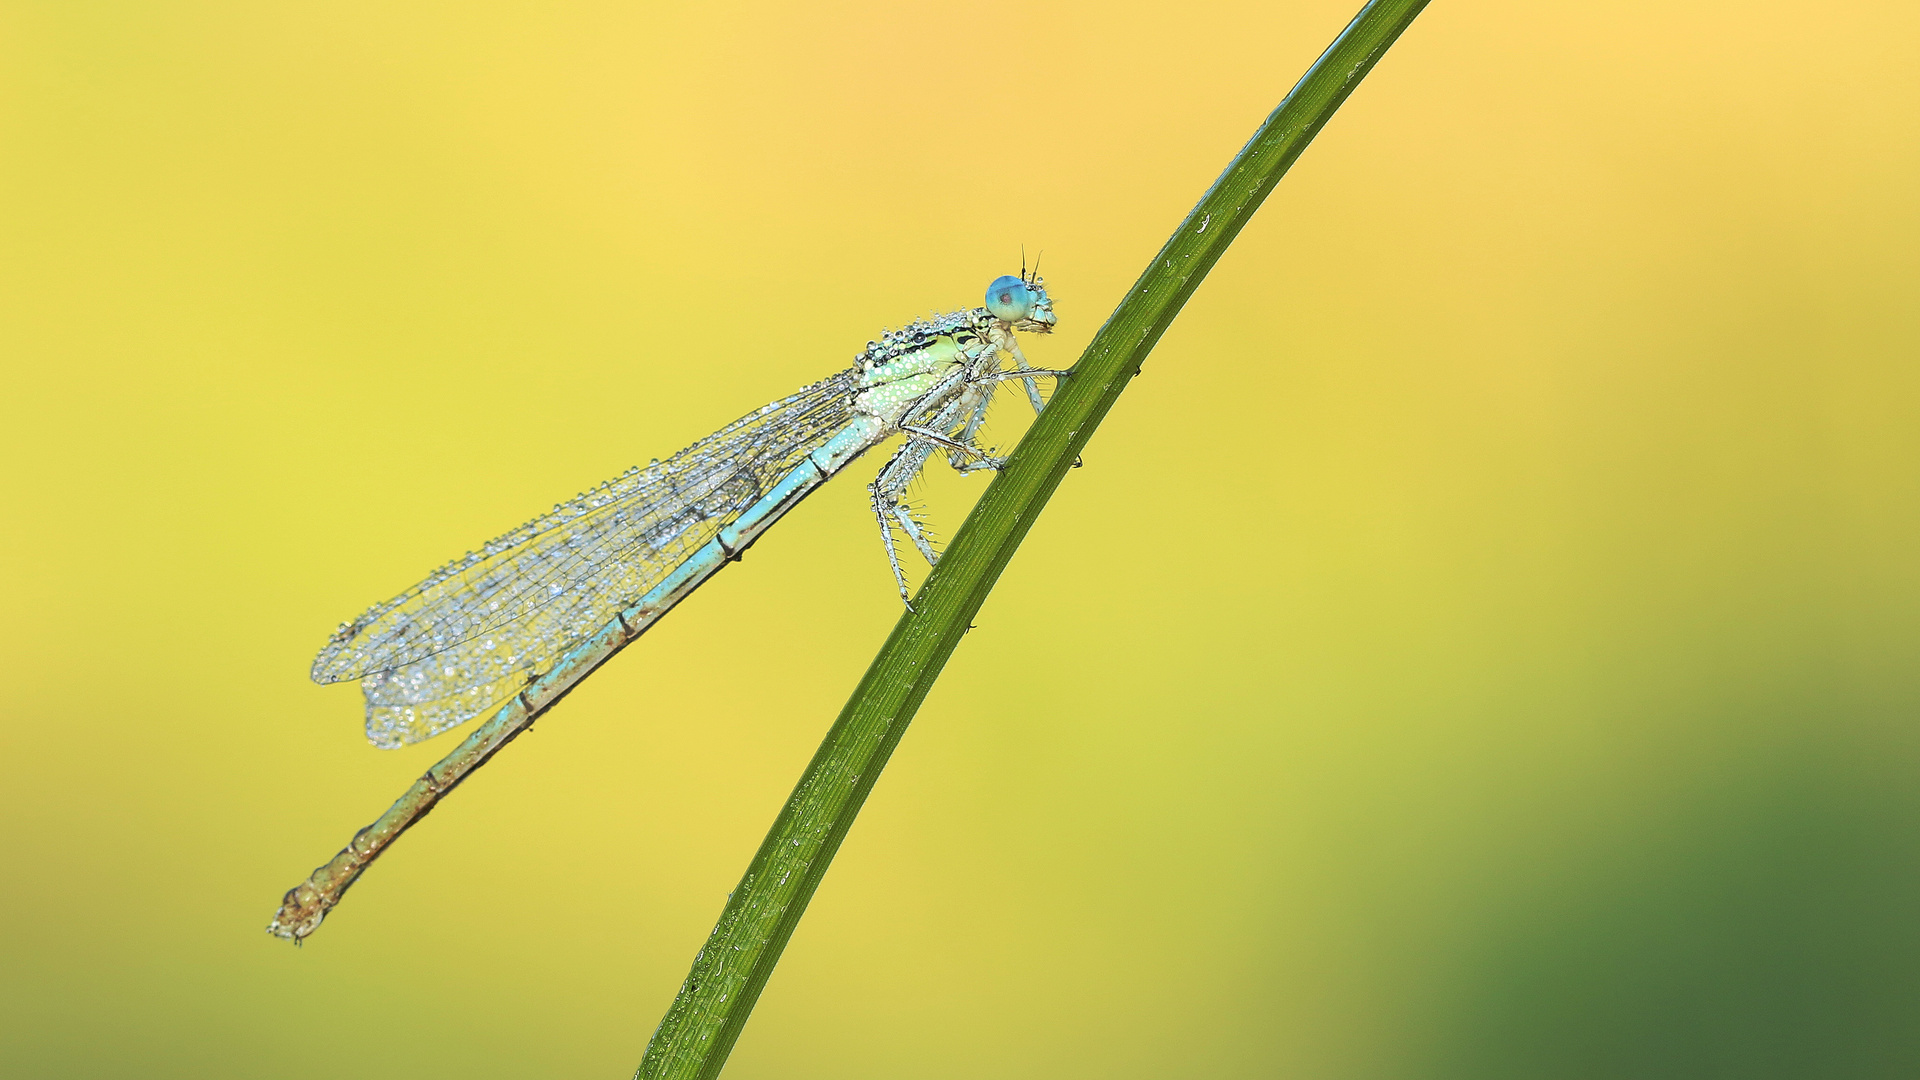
(1021, 302)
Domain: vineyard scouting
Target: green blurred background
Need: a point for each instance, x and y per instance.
(1482, 645)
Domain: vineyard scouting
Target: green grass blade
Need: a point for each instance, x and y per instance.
(700, 1027)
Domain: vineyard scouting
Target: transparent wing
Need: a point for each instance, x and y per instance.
(476, 630)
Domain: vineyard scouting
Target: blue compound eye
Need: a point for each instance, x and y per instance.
(1009, 299)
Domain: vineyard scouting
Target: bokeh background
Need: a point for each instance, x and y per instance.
(1481, 645)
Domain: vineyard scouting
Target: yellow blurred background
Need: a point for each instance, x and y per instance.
(1482, 645)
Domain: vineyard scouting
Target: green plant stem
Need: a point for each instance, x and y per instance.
(700, 1027)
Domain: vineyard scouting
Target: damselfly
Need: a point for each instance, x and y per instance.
(510, 628)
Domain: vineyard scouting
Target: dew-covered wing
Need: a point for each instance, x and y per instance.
(476, 630)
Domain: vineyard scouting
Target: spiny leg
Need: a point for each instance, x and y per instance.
(955, 448)
(1028, 374)
(912, 529)
(1033, 391)
(960, 447)
(883, 502)
(962, 465)
(891, 486)
(885, 490)
(886, 540)
(971, 467)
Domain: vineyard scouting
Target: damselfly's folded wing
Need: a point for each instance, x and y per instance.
(479, 628)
